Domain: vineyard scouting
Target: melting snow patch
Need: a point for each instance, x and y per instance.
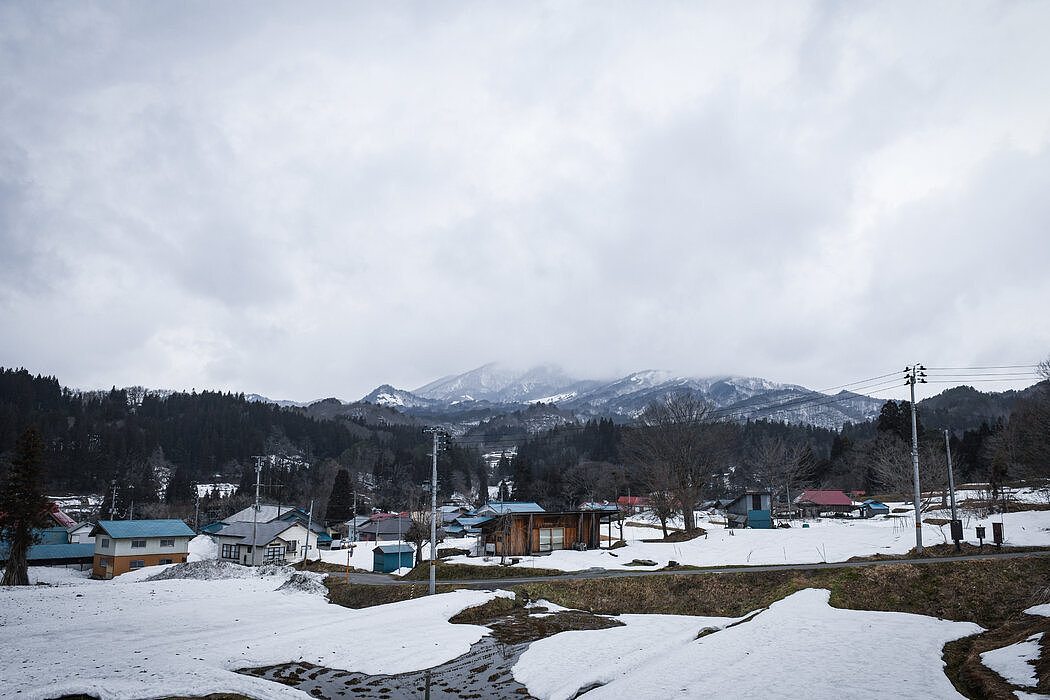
(1015, 662)
(660, 656)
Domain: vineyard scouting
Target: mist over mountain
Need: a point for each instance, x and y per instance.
(495, 388)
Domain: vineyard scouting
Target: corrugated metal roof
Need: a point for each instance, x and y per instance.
(394, 548)
(387, 526)
(264, 532)
(471, 521)
(824, 498)
(267, 512)
(124, 529)
(39, 552)
(46, 552)
(501, 508)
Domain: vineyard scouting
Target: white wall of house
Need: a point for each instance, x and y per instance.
(108, 546)
(291, 543)
(82, 535)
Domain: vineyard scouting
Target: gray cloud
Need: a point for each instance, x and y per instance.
(307, 204)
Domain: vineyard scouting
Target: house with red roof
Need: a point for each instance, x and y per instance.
(632, 504)
(814, 502)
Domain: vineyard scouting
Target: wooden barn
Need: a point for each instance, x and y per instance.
(813, 503)
(519, 534)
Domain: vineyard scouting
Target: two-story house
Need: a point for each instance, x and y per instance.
(126, 545)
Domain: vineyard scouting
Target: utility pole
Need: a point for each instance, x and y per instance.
(309, 527)
(255, 508)
(113, 503)
(437, 435)
(951, 488)
(912, 375)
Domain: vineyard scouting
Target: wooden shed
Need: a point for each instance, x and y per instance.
(750, 509)
(870, 508)
(519, 534)
(387, 558)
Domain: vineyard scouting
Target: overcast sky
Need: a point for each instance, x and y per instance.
(308, 201)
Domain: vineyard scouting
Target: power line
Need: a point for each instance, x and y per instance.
(988, 367)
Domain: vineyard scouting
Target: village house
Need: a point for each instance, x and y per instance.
(391, 529)
(518, 534)
(632, 504)
(81, 533)
(494, 508)
(870, 508)
(750, 509)
(126, 545)
(60, 542)
(254, 544)
(812, 503)
(273, 513)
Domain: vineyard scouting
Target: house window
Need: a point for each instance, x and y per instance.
(164, 561)
(137, 563)
(274, 554)
(138, 544)
(552, 538)
(229, 551)
(105, 544)
(293, 546)
(756, 502)
(167, 543)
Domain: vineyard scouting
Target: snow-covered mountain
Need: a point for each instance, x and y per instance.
(387, 395)
(494, 389)
(500, 384)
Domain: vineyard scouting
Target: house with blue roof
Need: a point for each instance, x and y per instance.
(870, 508)
(126, 545)
(494, 508)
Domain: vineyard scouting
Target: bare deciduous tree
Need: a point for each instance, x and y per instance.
(891, 465)
(779, 466)
(677, 438)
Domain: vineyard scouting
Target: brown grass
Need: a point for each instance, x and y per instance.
(463, 572)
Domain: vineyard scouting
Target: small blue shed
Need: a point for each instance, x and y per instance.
(870, 508)
(387, 558)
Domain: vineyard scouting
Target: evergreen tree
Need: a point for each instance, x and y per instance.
(23, 506)
(180, 488)
(523, 478)
(340, 502)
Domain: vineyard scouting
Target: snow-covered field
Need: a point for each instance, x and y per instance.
(825, 540)
(137, 638)
(133, 638)
(799, 647)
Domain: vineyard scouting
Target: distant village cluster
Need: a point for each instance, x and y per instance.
(279, 534)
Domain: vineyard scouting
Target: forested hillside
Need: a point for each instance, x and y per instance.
(155, 448)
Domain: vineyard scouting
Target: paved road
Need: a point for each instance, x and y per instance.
(384, 580)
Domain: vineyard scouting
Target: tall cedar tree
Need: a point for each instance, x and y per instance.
(341, 502)
(23, 506)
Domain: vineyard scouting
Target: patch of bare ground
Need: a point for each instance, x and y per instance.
(356, 595)
(512, 623)
(940, 551)
(463, 572)
(1010, 507)
(325, 567)
(682, 535)
(972, 678)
